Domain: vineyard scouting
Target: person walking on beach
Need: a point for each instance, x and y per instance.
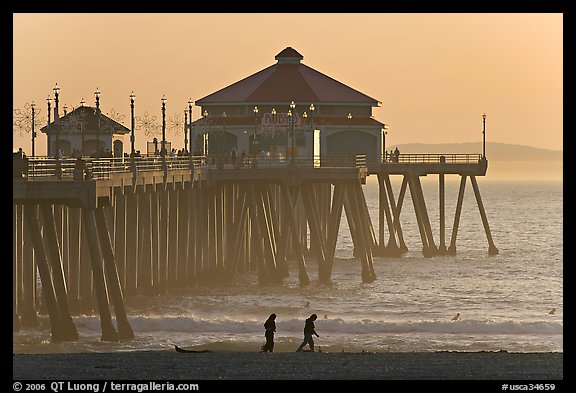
(309, 330)
(270, 326)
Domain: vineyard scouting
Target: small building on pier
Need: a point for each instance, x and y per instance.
(85, 131)
(288, 110)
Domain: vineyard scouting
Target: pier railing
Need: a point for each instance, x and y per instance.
(48, 168)
(453, 158)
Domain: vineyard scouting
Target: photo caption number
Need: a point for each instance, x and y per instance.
(34, 386)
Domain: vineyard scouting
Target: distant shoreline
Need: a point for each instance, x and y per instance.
(223, 365)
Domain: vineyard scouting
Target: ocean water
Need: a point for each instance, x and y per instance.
(503, 300)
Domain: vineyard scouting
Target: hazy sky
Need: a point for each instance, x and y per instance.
(435, 74)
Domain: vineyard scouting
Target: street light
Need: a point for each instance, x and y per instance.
(312, 109)
(132, 137)
(49, 102)
(255, 110)
(163, 145)
(82, 102)
(33, 106)
(224, 132)
(207, 132)
(97, 95)
(291, 114)
(384, 133)
(348, 135)
(186, 147)
(56, 123)
(484, 136)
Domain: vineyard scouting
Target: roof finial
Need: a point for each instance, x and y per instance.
(289, 56)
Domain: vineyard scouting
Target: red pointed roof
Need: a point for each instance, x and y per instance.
(288, 80)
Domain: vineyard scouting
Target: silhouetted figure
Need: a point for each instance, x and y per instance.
(551, 312)
(456, 317)
(233, 155)
(309, 330)
(307, 304)
(270, 326)
(396, 154)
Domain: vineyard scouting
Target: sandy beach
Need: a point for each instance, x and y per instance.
(222, 365)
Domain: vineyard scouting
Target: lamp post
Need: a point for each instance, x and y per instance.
(348, 135)
(189, 126)
(163, 145)
(255, 110)
(97, 95)
(384, 133)
(207, 125)
(132, 136)
(65, 109)
(312, 109)
(33, 106)
(185, 131)
(56, 122)
(224, 132)
(484, 136)
(49, 102)
(291, 116)
(82, 102)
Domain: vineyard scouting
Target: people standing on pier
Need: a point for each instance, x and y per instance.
(396, 154)
(270, 326)
(233, 155)
(309, 330)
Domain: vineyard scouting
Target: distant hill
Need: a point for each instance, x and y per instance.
(494, 151)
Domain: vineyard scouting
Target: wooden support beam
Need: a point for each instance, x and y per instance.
(315, 233)
(293, 228)
(272, 210)
(87, 303)
(218, 230)
(267, 233)
(172, 237)
(233, 254)
(131, 242)
(442, 210)
(390, 249)
(432, 249)
(353, 217)
(17, 262)
(58, 330)
(120, 236)
(163, 239)
(257, 236)
(108, 330)
(157, 285)
(183, 202)
(53, 246)
(192, 237)
(27, 311)
(418, 212)
(111, 273)
(452, 248)
(363, 225)
(492, 250)
(144, 283)
(397, 209)
(334, 224)
(368, 228)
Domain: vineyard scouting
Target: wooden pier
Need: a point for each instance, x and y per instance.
(146, 225)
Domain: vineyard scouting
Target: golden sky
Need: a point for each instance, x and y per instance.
(435, 74)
